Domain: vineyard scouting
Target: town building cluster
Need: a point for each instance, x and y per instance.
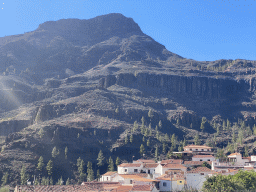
(189, 172)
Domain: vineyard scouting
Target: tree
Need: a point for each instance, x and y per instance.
(246, 151)
(197, 140)
(131, 138)
(5, 178)
(173, 140)
(233, 137)
(49, 167)
(148, 142)
(220, 153)
(150, 113)
(240, 137)
(110, 164)
(78, 162)
(203, 123)
(23, 175)
(55, 152)
(100, 159)
(81, 167)
(90, 173)
(143, 121)
(40, 164)
(160, 124)
(118, 161)
(135, 126)
(228, 124)
(66, 152)
(156, 153)
(166, 137)
(126, 139)
(205, 164)
(164, 148)
(60, 181)
(143, 139)
(117, 110)
(45, 181)
(224, 125)
(68, 181)
(142, 149)
(254, 129)
(98, 174)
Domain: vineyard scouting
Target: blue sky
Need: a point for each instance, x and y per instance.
(203, 30)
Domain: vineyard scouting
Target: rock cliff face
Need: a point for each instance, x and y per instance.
(203, 87)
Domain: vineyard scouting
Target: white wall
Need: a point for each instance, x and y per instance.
(203, 159)
(130, 170)
(195, 180)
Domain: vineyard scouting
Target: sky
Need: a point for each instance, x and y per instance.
(203, 30)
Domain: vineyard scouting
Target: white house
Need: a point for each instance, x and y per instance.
(196, 177)
(149, 168)
(130, 168)
(108, 176)
(197, 148)
(203, 158)
(171, 182)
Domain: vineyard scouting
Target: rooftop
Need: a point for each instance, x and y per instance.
(150, 165)
(197, 146)
(202, 156)
(109, 173)
(173, 161)
(142, 188)
(130, 165)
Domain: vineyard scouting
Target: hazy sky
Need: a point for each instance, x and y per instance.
(196, 29)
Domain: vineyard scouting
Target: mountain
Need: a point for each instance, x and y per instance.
(83, 84)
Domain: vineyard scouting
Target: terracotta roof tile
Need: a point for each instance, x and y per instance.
(234, 154)
(150, 165)
(129, 165)
(109, 173)
(142, 188)
(136, 177)
(196, 162)
(200, 170)
(123, 189)
(174, 166)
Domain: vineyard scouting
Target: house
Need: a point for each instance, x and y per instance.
(196, 177)
(149, 168)
(144, 161)
(171, 161)
(144, 188)
(172, 182)
(197, 149)
(130, 168)
(108, 176)
(173, 167)
(203, 158)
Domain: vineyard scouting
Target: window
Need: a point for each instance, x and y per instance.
(201, 173)
(125, 170)
(130, 181)
(107, 178)
(135, 170)
(208, 149)
(201, 159)
(164, 184)
(148, 171)
(180, 181)
(196, 149)
(208, 160)
(190, 149)
(202, 149)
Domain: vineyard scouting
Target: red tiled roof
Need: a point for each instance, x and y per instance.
(169, 177)
(235, 154)
(150, 165)
(123, 189)
(146, 160)
(173, 161)
(109, 173)
(197, 146)
(130, 165)
(136, 177)
(174, 166)
(142, 188)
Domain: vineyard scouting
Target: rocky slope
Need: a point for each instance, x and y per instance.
(82, 84)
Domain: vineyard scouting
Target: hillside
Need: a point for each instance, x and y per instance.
(82, 84)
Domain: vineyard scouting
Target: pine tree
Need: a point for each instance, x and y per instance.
(184, 143)
(66, 152)
(149, 126)
(23, 175)
(160, 124)
(135, 126)
(90, 173)
(156, 153)
(254, 129)
(68, 182)
(110, 164)
(81, 167)
(166, 137)
(224, 125)
(100, 159)
(5, 178)
(51, 181)
(131, 138)
(143, 139)
(60, 181)
(40, 164)
(150, 113)
(55, 152)
(148, 142)
(156, 128)
(233, 137)
(49, 167)
(143, 121)
(197, 140)
(228, 124)
(98, 174)
(118, 161)
(246, 151)
(164, 148)
(173, 140)
(142, 149)
(126, 139)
